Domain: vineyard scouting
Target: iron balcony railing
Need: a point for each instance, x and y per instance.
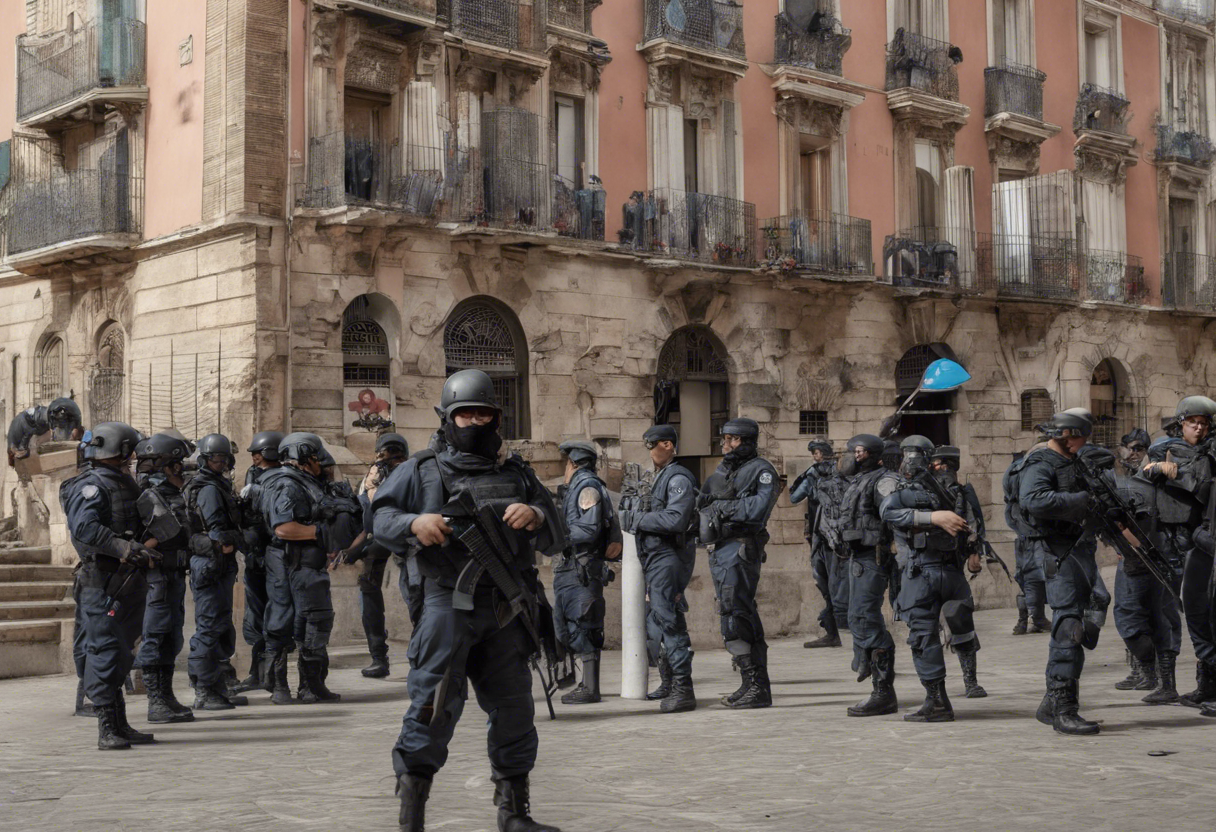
(1188, 282)
(73, 205)
(930, 258)
(492, 22)
(433, 182)
(923, 64)
(711, 25)
(1201, 12)
(516, 192)
(1099, 108)
(425, 8)
(1057, 268)
(571, 14)
(690, 226)
(1185, 146)
(818, 241)
(578, 212)
(346, 170)
(53, 71)
(1114, 277)
(1014, 89)
(819, 46)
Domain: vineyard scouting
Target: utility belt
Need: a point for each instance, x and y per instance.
(568, 559)
(300, 553)
(674, 541)
(174, 561)
(101, 563)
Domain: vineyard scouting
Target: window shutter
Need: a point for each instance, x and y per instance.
(960, 218)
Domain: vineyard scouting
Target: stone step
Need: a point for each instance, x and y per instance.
(10, 573)
(31, 630)
(26, 610)
(25, 555)
(35, 591)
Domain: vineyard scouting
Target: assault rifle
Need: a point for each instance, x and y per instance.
(958, 499)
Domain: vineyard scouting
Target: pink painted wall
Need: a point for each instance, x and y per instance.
(173, 171)
(12, 24)
(1142, 85)
(298, 115)
(755, 96)
(622, 107)
(969, 32)
(1056, 55)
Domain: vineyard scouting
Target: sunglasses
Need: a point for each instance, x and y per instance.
(650, 444)
(1137, 448)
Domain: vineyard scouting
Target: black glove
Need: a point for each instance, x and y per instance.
(139, 555)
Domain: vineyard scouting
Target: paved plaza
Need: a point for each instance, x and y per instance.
(620, 765)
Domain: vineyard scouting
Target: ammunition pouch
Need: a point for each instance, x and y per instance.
(306, 554)
(202, 546)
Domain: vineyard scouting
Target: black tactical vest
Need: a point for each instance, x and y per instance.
(861, 527)
(123, 492)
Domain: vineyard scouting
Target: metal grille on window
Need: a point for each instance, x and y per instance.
(50, 372)
(478, 338)
(364, 347)
(107, 381)
(1036, 408)
(813, 422)
(912, 366)
(691, 355)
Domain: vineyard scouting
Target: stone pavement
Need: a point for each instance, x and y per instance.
(621, 765)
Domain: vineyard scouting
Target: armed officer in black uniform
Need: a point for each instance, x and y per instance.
(815, 486)
(460, 637)
(162, 510)
(103, 524)
(867, 542)
(736, 503)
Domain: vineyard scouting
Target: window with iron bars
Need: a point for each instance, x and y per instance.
(1037, 408)
(813, 422)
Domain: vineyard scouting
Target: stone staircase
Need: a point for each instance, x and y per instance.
(36, 607)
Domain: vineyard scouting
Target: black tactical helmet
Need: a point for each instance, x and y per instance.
(325, 459)
(1084, 413)
(64, 417)
(1067, 424)
(948, 454)
(177, 434)
(266, 443)
(393, 442)
(581, 452)
(1098, 457)
(661, 433)
(113, 440)
(301, 447)
(823, 446)
(159, 451)
(871, 443)
(217, 445)
(1139, 435)
(916, 442)
(742, 427)
(1195, 406)
(467, 388)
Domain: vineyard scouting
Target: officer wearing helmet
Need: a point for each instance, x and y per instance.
(66, 423)
(593, 536)
(264, 448)
(735, 506)
(29, 423)
(215, 520)
(162, 510)
(814, 486)
(103, 525)
(866, 541)
(1053, 501)
(461, 637)
(1181, 473)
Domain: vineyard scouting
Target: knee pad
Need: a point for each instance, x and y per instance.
(919, 642)
(737, 628)
(726, 600)
(958, 615)
(1069, 632)
(1141, 647)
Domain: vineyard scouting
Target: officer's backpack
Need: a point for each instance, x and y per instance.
(1011, 487)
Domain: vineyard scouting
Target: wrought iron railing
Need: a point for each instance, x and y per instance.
(578, 212)
(1099, 108)
(818, 241)
(433, 182)
(515, 186)
(821, 46)
(1014, 89)
(493, 22)
(569, 13)
(1114, 276)
(56, 70)
(1201, 12)
(346, 170)
(1185, 146)
(1020, 265)
(711, 25)
(691, 226)
(72, 205)
(1188, 282)
(930, 258)
(423, 7)
(923, 64)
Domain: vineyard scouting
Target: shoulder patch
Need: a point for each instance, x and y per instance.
(766, 478)
(588, 497)
(89, 492)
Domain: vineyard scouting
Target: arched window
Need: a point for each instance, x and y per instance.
(693, 390)
(929, 415)
(483, 335)
(48, 373)
(1036, 408)
(1111, 403)
(109, 374)
(364, 346)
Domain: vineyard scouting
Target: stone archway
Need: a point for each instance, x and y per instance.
(692, 392)
(484, 334)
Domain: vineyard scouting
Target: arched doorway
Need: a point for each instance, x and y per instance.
(106, 383)
(366, 364)
(1111, 402)
(483, 334)
(929, 414)
(692, 392)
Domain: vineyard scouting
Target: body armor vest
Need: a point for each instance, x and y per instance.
(861, 527)
(1177, 506)
(174, 550)
(123, 515)
(308, 551)
(1066, 480)
(650, 543)
(586, 478)
(744, 481)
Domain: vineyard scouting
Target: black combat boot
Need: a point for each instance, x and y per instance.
(681, 697)
(825, 640)
(882, 700)
(1019, 628)
(514, 810)
(1039, 622)
(1066, 720)
(124, 728)
(1148, 675)
(312, 683)
(1205, 690)
(664, 688)
(254, 680)
(1167, 689)
(108, 736)
(936, 707)
(744, 683)
(1134, 676)
(212, 698)
(413, 791)
(758, 693)
(588, 690)
(378, 669)
(281, 691)
(266, 669)
(1046, 713)
(967, 661)
(324, 692)
(229, 684)
(166, 673)
(83, 707)
(160, 710)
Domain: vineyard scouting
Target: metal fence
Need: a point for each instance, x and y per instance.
(1099, 108)
(578, 212)
(515, 186)
(494, 22)
(712, 25)
(923, 64)
(1020, 265)
(930, 258)
(818, 241)
(1185, 146)
(106, 53)
(1200, 12)
(821, 46)
(186, 391)
(1188, 282)
(1114, 277)
(569, 13)
(346, 170)
(1014, 89)
(691, 226)
(424, 7)
(72, 205)
(434, 182)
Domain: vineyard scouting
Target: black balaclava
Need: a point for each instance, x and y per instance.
(479, 440)
(741, 454)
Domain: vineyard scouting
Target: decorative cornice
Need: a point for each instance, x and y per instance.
(668, 52)
(908, 104)
(816, 86)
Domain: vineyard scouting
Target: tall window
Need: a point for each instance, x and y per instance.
(1110, 403)
(815, 170)
(1036, 408)
(922, 17)
(1101, 55)
(928, 183)
(480, 336)
(571, 147)
(1012, 33)
(365, 358)
(48, 375)
(691, 160)
(106, 382)
(929, 414)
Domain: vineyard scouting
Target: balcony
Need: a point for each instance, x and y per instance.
(1199, 12)
(578, 212)
(1183, 147)
(411, 11)
(923, 64)
(572, 14)
(490, 22)
(1056, 268)
(102, 63)
(714, 26)
(1101, 109)
(821, 46)
(73, 214)
(690, 226)
(1114, 277)
(1188, 282)
(930, 258)
(1014, 89)
(818, 242)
